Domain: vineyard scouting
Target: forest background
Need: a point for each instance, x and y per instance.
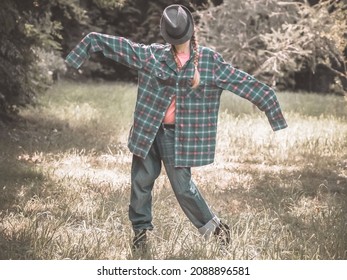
(295, 45)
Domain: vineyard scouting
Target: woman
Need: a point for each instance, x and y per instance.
(176, 112)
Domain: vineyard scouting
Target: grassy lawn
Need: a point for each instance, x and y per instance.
(65, 180)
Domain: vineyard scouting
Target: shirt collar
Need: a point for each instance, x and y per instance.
(168, 57)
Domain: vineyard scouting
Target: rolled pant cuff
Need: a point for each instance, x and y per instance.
(209, 227)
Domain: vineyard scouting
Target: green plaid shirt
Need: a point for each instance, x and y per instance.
(196, 109)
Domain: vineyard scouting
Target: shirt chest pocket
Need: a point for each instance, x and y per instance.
(161, 79)
(204, 90)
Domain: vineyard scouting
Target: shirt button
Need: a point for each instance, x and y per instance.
(177, 84)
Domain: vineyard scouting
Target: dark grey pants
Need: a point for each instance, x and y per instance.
(144, 172)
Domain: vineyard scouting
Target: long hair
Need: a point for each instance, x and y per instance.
(196, 76)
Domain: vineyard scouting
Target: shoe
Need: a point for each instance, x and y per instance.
(140, 241)
(222, 234)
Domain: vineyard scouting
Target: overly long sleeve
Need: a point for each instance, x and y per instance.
(246, 86)
(116, 48)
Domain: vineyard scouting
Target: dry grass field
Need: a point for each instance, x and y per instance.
(65, 184)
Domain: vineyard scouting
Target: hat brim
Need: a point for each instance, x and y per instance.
(185, 38)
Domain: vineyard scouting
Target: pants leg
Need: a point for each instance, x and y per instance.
(188, 195)
(144, 172)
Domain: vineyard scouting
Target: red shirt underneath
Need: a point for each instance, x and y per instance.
(170, 112)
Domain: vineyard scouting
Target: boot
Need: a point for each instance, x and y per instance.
(222, 234)
(140, 241)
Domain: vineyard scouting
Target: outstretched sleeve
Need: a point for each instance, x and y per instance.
(242, 84)
(116, 48)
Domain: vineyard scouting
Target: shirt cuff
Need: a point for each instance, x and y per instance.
(74, 60)
(276, 119)
(278, 124)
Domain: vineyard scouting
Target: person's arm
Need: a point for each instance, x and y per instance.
(116, 48)
(229, 78)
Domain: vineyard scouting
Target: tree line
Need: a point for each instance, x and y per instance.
(290, 44)
(297, 45)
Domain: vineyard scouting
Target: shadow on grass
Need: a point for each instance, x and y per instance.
(21, 180)
(309, 203)
(18, 182)
(21, 141)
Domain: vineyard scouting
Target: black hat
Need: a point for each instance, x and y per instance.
(176, 24)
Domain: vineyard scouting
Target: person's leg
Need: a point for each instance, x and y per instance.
(195, 207)
(191, 200)
(188, 195)
(144, 172)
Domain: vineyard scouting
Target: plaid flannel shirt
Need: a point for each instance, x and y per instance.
(196, 109)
